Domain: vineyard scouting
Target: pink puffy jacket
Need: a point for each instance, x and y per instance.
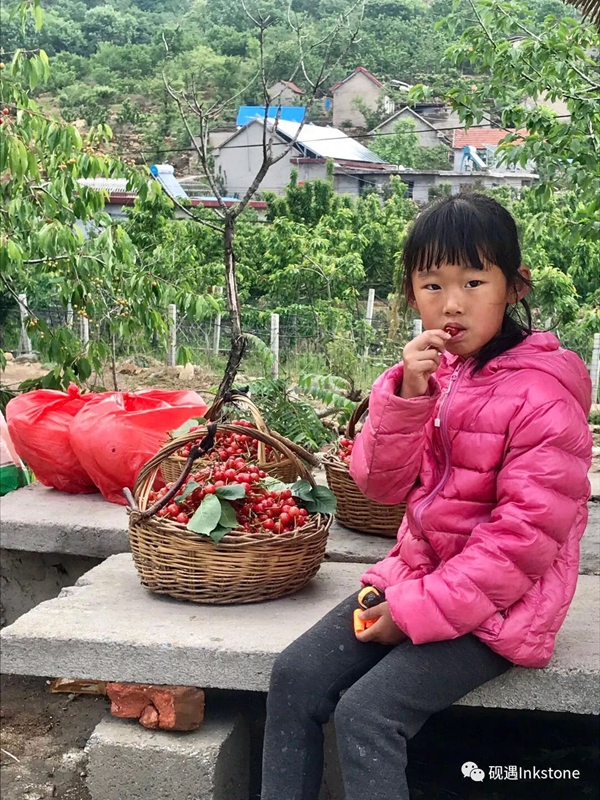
(494, 468)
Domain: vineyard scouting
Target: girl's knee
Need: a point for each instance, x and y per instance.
(351, 710)
(290, 672)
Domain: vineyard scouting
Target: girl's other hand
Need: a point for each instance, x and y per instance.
(421, 358)
(385, 630)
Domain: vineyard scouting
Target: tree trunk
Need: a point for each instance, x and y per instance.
(238, 340)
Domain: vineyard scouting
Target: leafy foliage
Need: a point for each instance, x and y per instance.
(289, 415)
(55, 231)
(522, 66)
(404, 148)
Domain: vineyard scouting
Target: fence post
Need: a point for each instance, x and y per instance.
(417, 327)
(275, 345)
(84, 332)
(69, 315)
(369, 317)
(24, 340)
(172, 347)
(595, 367)
(217, 331)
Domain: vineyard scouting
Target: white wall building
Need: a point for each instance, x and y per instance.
(240, 157)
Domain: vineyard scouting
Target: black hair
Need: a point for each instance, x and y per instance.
(473, 230)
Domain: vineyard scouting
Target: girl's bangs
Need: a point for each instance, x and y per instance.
(467, 230)
(448, 243)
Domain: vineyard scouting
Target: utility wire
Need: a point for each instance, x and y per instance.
(325, 139)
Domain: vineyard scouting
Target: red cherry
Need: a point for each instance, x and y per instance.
(173, 509)
(210, 489)
(183, 518)
(268, 524)
(284, 518)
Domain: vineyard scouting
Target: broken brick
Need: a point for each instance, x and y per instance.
(149, 717)
(178, 708)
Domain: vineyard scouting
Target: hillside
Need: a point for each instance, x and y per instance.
(107, 60)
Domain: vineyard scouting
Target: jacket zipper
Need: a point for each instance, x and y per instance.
(441, 422)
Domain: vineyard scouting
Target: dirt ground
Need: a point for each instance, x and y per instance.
(43, 736)
(145, 373)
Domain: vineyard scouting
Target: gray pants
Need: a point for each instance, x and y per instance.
(390, 693)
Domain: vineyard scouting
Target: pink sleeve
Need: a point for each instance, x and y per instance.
(540, 489)
(386, 458)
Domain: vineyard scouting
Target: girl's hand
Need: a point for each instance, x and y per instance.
(385, 630)
(421, 358)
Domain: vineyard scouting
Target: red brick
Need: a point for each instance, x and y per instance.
(178, 708)
(128, 700)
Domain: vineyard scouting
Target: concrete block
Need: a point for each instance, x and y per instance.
(348, 546)
(39, 519)
(128, 762)
(109, 628)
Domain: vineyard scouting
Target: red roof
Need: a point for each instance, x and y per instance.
(479, 137)
(358, 69)
(291, 85)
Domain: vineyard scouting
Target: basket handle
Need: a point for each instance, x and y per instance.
(243, 399)
(150, 469)
(358, 413)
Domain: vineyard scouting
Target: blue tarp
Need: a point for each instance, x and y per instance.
(289, 113)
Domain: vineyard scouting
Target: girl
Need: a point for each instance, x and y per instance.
(482, 429)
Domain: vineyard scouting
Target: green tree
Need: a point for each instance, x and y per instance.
(54, 229)
(402, 147)
(522, 64)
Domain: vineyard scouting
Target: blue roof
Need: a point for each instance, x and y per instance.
(289, 113)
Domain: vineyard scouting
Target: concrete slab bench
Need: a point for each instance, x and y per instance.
(50, 539)
(40, 520)
(108, 627)
(36, 519)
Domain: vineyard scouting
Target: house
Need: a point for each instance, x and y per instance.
(428, 134)
(239, 158)
(285, 93)
(355, 178)
(476, 148)
(429, 116)
(362, 86)
(423, 185)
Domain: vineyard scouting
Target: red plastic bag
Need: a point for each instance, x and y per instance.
(39, 424)
(115, 435)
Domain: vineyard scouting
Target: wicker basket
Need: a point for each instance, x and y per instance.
(276, 465)
(354, 510)
(243, 567)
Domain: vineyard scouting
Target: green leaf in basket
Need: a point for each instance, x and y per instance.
(234, 491)
(207, 516)
(228, 518)
(302, 489)
(316, 499)
(274, 485)
(189, 488)
(185, 428)
(219, 532)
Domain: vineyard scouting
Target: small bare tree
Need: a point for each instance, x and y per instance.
(202, 114)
